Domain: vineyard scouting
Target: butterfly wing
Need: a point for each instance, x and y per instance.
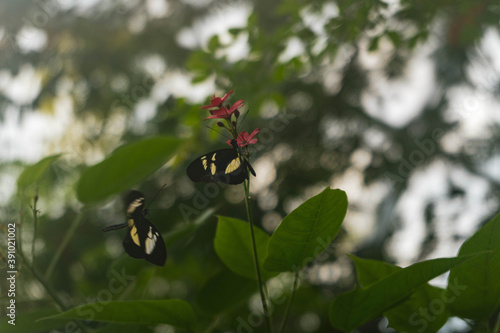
(220, 166)
(132, 243)
(144, 241)
(199, 171)
(154, 246)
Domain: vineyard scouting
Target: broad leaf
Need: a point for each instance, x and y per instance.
(125, 167)
(474, 287)
(233, 245)
(306, 232)
(413, 314)
(173, 312)
(224, 291)
(354, 308)
(31, 174)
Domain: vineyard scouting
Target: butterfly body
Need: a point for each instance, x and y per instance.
(143, 240)
(227, 166)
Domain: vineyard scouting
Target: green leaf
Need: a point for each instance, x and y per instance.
(31, 174)
(354, 308)
(224, 291)
(394, 37)
(306, 232)
(213, 43)
(26, 322)
(235, 31)
(174, 312)
(233, 245)
(370, 271)
(474, 287)
(125, 167)
(374, 44)
(411, 314)
(199, 78)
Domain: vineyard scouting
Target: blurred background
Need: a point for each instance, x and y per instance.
(395, 102)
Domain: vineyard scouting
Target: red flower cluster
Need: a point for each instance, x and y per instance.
(225, 113)
(245, 139)
(216, 102)
(218, 110)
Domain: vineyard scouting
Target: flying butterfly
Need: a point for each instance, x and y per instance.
(143, 240)
(227, 166)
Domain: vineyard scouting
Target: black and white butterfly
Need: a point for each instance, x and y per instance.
(227, 166)
(143, 240)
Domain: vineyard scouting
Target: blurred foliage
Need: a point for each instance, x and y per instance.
(110, 59)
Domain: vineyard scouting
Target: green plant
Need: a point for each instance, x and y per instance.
(253, 259)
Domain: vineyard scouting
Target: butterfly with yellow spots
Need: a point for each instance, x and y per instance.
(227, 166)
(143, 240)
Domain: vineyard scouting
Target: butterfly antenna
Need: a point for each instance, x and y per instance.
(242, 119)
(155, 196)
(213, 129)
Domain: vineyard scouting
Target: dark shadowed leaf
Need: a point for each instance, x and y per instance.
(172, 312)
(413, 314)
(354, 308)
(224, 291)
(233, 245)
(474, 286)
(306, 232)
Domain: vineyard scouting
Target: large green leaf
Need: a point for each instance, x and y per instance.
(26, 322)
(354, 308)
(32, 173)
(224, 291)
(233, 245)
(125, 167)
(424, 311)
(306, 232)
(172, 311)
(474, 287)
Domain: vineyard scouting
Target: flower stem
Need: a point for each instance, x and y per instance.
(267, 314)
(35, 227)
(287, 310)
(34, 272)
(20, 224)
(62, 246)
(44, 283)
(496, 328)
(31, 267)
